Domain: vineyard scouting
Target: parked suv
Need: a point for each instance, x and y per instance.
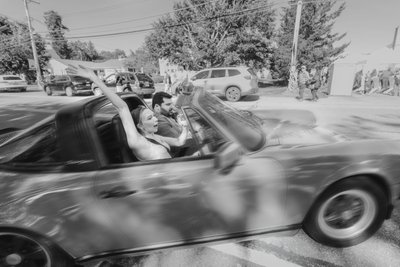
(68, 84)
(230, 82)
(138, 83)
(12, 82)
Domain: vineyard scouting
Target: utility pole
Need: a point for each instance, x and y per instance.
(396, 31)
(293, 63)
(35, 56)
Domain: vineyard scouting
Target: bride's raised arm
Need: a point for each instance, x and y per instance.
(123, 109)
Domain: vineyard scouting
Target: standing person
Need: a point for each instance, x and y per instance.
(396, 83)
(167, 82)
(374, 82)
(119, 81)
(385, 77)
(302, 78)
(266, 73)
(315, 83)
(181, 76)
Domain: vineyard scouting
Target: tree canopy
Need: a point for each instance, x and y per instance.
(83, 51)
(16, 49)
(201, 33)
(57, 31)
(316, 44)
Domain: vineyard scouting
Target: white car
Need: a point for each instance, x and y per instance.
(230, 82)
(12, 82)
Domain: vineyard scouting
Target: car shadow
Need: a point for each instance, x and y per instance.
(250, 98)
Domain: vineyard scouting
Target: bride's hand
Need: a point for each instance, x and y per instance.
(82, 71)
(182, 121)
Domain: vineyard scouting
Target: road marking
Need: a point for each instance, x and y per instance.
(252, 255)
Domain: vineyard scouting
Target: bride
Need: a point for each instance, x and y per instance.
(140, 126)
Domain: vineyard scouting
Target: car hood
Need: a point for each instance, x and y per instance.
(290, 128)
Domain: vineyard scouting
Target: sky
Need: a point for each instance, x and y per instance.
(369, 24)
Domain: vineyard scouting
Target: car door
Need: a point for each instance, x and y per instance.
(218, 81)
(60, 83)
(163, 203)
(200, 78)
(111, 81)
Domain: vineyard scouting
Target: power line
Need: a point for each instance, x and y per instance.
(173, 25)
(256, 9)
(138, 19)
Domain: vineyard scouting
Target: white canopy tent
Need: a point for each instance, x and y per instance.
(382, 59)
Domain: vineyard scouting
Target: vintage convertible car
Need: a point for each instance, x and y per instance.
(71, 189)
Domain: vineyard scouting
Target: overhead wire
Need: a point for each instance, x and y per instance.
(255, 10)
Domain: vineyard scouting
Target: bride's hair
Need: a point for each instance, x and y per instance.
(136, 114)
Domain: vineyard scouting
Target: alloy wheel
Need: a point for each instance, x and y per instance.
(233, 94)
(21, 251)
(347, 214)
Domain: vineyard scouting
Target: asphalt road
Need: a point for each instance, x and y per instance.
(357, 117)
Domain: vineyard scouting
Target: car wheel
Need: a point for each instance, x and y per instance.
(233, 94)
(23, 250)
(97, 91)
(69, 91)
(349, 212)
(48, 90)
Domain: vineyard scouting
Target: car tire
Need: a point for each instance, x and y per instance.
(347, 213)
(69, 91)
(48, 90)
(233, 94)
(25, 249)
(97, 91)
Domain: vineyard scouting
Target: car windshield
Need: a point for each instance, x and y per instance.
(245, 129)
(78, 78)
(34, 145)
(143, 77)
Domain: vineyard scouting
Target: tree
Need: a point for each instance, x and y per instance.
(201, 33)
(117, 53)
(57, 31)
(16, 49)
(141, 58)
(316, 40)
(83, 51)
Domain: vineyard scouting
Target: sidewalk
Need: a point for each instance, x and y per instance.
(281, 97)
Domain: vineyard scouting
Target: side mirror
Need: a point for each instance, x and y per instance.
(226, 157)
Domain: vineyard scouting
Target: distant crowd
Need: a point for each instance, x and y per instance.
(381, 82)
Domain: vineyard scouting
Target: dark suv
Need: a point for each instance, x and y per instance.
(68, 84)
(138, 83)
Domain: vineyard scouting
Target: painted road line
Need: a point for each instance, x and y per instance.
(253, 256)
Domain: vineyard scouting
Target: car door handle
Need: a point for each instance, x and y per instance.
(117, 192)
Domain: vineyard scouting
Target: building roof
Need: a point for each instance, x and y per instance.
(109, 64)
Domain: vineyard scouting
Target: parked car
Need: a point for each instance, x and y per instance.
(139, 83)
(72, 190)
(12, 83)
(67, 84)
(230, 82)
